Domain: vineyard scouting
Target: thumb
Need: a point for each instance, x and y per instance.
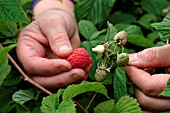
(152, 57)
(59, 41)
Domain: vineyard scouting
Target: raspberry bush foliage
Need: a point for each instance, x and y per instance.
(144, 24)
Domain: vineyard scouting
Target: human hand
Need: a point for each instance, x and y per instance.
(148, 87)
(43, 46)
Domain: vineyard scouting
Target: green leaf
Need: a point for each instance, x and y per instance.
(105, 107)
(127, 104)
(73, 90)
(93, 10)
(131, 91)
(4, 66)
(96, 34)
(155, 6)
(163, 27)
(10, 41)
(60, 92)
(153, 36)
(22, 109)
(88, 45)
(66, 106)
(5, 96)
(23, 96)
(10, 10)
(108, 79)
(36, 110)
(25, 4)
(2, 36)
(111, 32)
(166, 91)
(129, 51)
(140, 41)
(11, 105)
(123, 18)
(50, 103)
(8, 29)
(86, 28)
(13, 78)
(130, 29)
(160, 43)
(119, 83)
(146, 21)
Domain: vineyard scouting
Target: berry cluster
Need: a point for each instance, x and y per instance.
(112, 54)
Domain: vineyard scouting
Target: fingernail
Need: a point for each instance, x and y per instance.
(63, 69)
(133, 57)
(64, 48)
(76, 77)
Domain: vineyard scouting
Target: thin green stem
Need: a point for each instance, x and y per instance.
(91, 101)
(122, 48)
(167, 41)
(103, 31)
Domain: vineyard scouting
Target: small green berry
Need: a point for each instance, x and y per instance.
(100, 74)
(122, 59)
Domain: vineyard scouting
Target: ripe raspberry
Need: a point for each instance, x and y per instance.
(79, 58)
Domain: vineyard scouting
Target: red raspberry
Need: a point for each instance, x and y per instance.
(79, 58)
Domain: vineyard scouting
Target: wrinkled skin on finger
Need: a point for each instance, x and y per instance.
(43, 47)
(149, 85)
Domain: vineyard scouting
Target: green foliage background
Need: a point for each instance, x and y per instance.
(147, 23)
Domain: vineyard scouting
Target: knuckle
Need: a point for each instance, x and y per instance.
(149, 54)
(147, 89)
(141, 98)
(29, 31)
(57, 36)
(62, 83)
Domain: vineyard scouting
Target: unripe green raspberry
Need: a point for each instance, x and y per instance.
(121, 37)
(122, 59)
(100, 74)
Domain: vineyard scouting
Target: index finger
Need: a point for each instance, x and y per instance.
(149, 85)
(152, 57)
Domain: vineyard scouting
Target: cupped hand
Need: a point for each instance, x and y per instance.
(43, 46)
(149, 86)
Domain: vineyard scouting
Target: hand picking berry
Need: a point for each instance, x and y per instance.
(79, 58)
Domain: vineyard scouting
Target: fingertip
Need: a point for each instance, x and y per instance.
(129, 68)
(133, 58)
(60, 42)
(78, 74)
(77, 77)
(63, 51)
